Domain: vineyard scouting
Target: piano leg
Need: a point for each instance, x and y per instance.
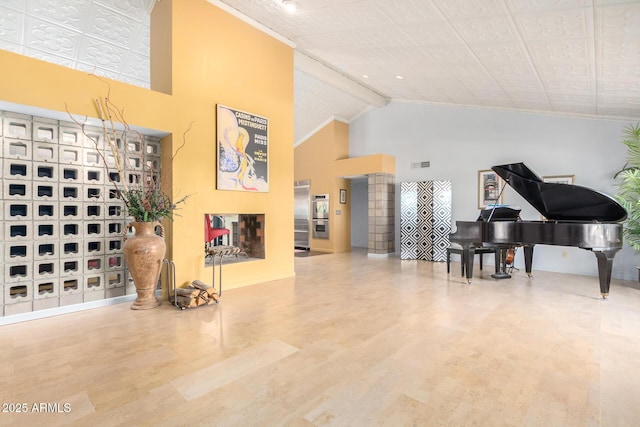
(528, 258)
(468, 254)
(605, 265)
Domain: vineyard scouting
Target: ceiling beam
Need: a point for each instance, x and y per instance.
(336, 79)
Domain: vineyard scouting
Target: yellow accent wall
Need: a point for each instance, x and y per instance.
(214, 58)
(323, 159)
(315, 161)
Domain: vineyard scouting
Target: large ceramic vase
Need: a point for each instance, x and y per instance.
(143, 253)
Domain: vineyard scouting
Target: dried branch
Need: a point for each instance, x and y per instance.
(142, 195)
(82, 126)
(111, 138)
(184, 141)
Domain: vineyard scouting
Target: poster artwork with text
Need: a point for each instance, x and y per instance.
(243, 143)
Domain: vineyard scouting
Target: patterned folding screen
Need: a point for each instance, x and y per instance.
(425, 220)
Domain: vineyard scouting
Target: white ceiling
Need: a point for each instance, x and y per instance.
(108, 37)
(557, 56)
(577, 57)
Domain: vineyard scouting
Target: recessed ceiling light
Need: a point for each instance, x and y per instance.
(399, 77)
(366, 76)
(290, 5)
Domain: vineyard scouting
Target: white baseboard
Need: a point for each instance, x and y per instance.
(50, 312)
(370, 255)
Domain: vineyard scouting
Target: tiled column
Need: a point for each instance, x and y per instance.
(381, 214)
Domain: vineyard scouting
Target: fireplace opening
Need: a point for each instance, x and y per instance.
(234, 237)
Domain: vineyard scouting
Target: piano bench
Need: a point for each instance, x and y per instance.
(477, 251)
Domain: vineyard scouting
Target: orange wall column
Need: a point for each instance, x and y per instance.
(214, 58)
(219, 59)
(315, 161)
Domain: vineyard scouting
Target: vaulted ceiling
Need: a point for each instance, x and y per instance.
(577, 57)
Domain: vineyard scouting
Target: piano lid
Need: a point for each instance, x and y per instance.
(561, 202)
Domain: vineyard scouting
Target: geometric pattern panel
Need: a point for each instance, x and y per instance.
(409, 232)
(441, 219)
(425, 220)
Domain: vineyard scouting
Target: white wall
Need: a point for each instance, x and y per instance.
(461, 141)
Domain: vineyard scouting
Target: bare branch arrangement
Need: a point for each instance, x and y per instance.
(143, 196)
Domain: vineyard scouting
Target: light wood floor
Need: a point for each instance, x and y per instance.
(351, 341)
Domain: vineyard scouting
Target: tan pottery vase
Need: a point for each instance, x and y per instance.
(143, 254)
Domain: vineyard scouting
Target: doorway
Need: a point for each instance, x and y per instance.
(359, 212)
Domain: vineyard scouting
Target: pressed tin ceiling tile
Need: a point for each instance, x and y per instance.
(582, 54)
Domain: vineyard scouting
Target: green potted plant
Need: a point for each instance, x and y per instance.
(629, 186)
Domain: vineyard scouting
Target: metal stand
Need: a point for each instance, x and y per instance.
(171, 280)
(511, 267)
(220, 252)
(502, 273)
(502, 252)
(220, 255)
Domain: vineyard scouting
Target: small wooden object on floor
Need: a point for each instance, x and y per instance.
(197, 293)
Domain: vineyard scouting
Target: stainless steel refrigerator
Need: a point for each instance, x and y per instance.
(302, 217)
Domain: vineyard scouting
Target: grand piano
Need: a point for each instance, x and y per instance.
(575, 216)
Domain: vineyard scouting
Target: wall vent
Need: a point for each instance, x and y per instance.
(418, 165)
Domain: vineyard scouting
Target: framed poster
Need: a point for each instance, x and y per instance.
(243, 150)
(489, 186)
(343, 196)
(560, 179)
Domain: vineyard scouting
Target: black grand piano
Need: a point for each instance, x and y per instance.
(576, 216)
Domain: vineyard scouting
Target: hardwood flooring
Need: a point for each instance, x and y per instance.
(350, 341)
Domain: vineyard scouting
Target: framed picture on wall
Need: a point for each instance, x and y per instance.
(343, 196)
(489, 186)
(243, 150)
(560, 179)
